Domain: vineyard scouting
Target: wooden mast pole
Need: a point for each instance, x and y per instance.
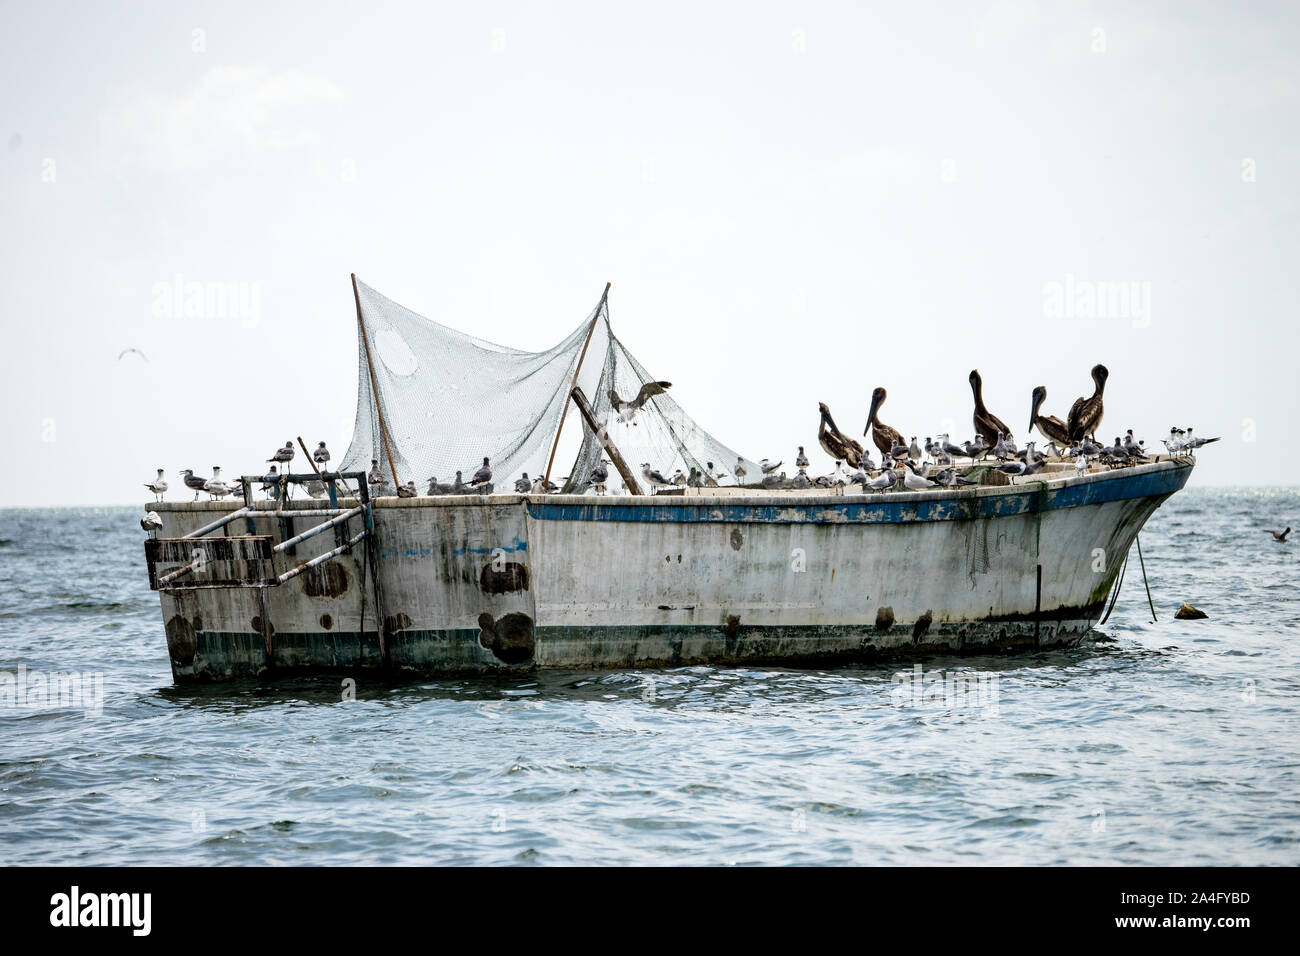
(374, 386)
(604, 296)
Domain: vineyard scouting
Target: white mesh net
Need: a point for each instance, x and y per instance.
(450, 399)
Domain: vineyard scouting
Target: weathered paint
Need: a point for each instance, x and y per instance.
(474, 583)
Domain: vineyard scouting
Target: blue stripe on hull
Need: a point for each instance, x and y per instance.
(880, 509)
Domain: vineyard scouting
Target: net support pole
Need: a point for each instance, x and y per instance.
(604, 296)
(584, 406)
(374, 385)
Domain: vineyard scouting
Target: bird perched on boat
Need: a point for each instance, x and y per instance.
(1278, 536)
(833, 441)
(1134, 450)
(1018, 468)
(739, 471)
(800, 480)
(1194, 443)
(627, 410)
(523, 485)
(860, 476)
(1005, 447)
(775, 481)
(321, 456)
(376, 477)
(801, 460)
(652, 476)
(157, 486)
(1081, 465)
(193, 482)
(283, 455)
(215, 486)
(882, 483)
(884, 437)
(1085, 414)
(825, 481)
(151, 522)
(914, 450)
(678, 478)
(841, 474)
(1049, 426)
(435, 488)
(600, 474)
(543, 487)
(717, 474)
(483, 476)
(899, 451)
(914, 480)
(695, 479)
(270, 481)
(949, 449)
(407, 490)
(458, 487)
(987, 425)
(317, 488)
(974, 449)
(768, 467)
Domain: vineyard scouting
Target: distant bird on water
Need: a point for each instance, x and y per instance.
(1279, 537)
(1086, 413)
(987, 425)
(1049, 426)
(884, 437)
(158, 486)
(627, 410)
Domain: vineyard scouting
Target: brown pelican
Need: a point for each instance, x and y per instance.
(1049, 426)
(987, 425)
(627, 410)
(1277, 536)
(884, 436)
(834, 442)
(1085, 414)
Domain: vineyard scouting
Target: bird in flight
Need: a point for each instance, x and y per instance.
(627, 410)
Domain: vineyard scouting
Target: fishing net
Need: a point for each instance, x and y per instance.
(449, 399)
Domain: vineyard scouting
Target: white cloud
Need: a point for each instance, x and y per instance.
(234, 115)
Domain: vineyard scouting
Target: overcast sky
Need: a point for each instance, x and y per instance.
(795, 202)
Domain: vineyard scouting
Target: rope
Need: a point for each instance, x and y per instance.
(1115, 594)
(1154, 619)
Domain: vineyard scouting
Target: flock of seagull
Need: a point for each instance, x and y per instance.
(903, 464)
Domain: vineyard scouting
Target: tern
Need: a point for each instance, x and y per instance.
(215, 486)
(158, 486)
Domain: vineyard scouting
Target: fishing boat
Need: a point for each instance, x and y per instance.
(723, 574)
